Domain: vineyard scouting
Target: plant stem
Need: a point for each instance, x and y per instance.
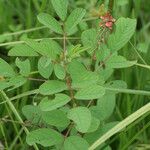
(129, 91)
(21, 42)
(24, 31)
(35, 79)
(144, 66)
(36, 91)
(34, 72)
(111, 3)
(4, 136)
(15, 140)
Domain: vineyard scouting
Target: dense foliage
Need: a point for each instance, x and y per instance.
(78, 80)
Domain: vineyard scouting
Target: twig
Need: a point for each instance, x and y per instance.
(35, 79)
(21, 42)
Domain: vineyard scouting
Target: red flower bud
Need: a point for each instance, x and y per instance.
(107, 21)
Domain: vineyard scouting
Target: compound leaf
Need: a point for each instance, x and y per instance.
(75, 143)
(59, 101)
(45, 136)
(5, 69)
(52, 87)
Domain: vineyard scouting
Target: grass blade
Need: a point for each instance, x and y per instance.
(18, 117)
(127, 121)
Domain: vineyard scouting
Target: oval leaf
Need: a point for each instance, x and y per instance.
(50, 22)
(16, 82)
(59, 101)
(59, 71)
(22, 50)
(82, 118)
(45, 67)
(4, 84)
(60, 7)
(105, 107)
(5, 69)
(45, 137)
(75, 143)
(56, 118)
(32, 113)
(92, 92)
(52, 87)
(119, 62)
(74, 18)
(125, 28)
(94, 124)
(89, 40)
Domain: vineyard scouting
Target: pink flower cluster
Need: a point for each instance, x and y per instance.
(107, 21)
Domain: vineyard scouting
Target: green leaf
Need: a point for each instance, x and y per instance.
(45, 67)
(119, 62)
(32, 113)
(105, 106)
(46, 47)
(22, 50)
(83, 25)
(74, 51)
(59, 71)
(45, 137)
(5, 69)
(50, 22)
(125, 28)
(50, 48)
(91, 92)
(82, 118)
(52, 87)
(89, 40)
(80, 76)
(73, 31)
(60, 7)
(34, 45)
(105, 73)
(4, 84)
(102, 52)
(120, 84)
(17, 81)
(94, 125)
(75, 143)
(56, 118)
(74, 18)
(59, 101)
(24, 66)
